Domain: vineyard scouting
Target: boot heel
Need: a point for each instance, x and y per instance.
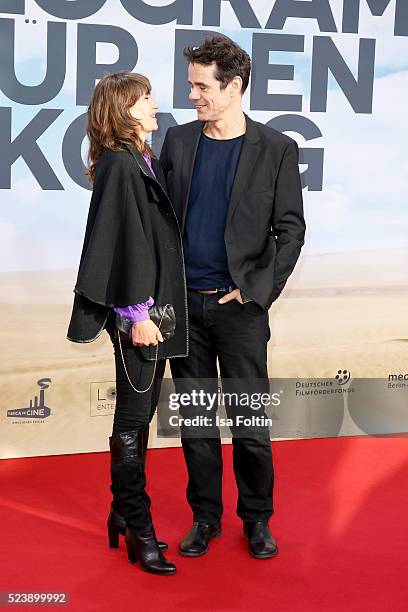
(113, 536)
(144, 548)
(132, 556)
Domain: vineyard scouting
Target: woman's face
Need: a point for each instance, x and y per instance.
(145, 112)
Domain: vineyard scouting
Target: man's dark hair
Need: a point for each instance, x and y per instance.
(230, 59)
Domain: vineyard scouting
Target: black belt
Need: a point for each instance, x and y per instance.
(214, 291)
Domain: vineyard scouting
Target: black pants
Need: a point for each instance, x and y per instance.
(134, 410)
(238, 339)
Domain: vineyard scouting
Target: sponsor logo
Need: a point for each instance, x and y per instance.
(343, 376)
(325, 386)
(102, 398)
(398, 381)
(36, 409)
(398, 377)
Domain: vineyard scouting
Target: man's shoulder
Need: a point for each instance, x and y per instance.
(184, 129)
(268, 134)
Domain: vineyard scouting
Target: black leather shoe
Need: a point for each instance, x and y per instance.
(196, 541)
(117, 526)
(261, 543)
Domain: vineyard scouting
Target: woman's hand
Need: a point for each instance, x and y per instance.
(146, 333)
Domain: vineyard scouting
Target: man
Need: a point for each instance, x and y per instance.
(235, 186)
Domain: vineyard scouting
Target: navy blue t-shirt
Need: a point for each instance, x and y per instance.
(203, 241)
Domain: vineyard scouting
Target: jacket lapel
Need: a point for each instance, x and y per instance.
(247, 160)
(190, 146)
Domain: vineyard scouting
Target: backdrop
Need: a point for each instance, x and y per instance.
(333, 74)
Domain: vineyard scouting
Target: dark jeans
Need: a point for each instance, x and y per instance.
(238, 339)
(134, 410)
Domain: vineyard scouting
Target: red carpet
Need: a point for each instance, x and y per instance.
(340, 522)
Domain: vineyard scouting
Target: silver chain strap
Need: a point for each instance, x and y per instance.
(155, 359)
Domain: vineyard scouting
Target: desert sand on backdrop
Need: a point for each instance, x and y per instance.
(339, 310)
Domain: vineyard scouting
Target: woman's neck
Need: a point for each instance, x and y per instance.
(142, 136)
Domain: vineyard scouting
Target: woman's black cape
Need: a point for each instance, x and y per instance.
(116, 266)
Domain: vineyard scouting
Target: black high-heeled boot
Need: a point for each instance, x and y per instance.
(116, 523)
(117, 526)
(128, 476)
(143, 547)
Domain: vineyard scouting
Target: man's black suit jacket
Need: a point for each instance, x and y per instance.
(265, 226)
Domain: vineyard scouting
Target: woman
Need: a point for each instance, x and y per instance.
(131, 270)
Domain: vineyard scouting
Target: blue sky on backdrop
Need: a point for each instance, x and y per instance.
(363, 204)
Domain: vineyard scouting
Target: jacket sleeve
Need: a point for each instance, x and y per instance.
(288, 223)
(136, 312)
(116, 267)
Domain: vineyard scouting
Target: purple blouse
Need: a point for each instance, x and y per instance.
(138, 312)
(149, 163)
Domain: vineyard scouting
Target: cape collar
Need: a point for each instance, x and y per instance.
(158, 176)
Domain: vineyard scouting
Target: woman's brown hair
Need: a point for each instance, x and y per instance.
(109, 122)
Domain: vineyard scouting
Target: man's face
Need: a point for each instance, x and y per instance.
(211, 102)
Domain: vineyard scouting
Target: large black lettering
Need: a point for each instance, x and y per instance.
(56, 62)
(16, 7)
(351, 14)
(179, 10)
(312, 177)
(263, 71)
(242, 9)
(88, 70)
(25, 146)
(313, 9)
(71, 9)
(359, 92)
(71, 151)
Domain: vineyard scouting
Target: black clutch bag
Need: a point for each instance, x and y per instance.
(163, 316)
